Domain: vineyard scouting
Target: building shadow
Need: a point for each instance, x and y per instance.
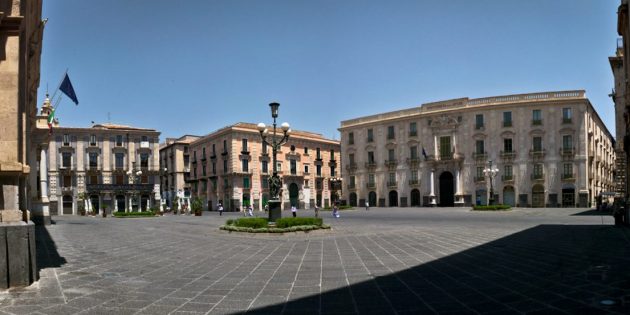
(547, 269)
(594, 212)
(47, 254)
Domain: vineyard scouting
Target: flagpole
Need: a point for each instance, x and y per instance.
(59, 85)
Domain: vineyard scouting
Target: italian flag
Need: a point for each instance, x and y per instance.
(51, 117)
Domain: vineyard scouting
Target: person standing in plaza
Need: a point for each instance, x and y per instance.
(250, 211)
(316, 211)
(220, 209)
(335, 211)
(367, 205)
(294, 211)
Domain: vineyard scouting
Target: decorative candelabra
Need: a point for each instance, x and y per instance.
(275, 183)
(133, 175)
(491, 172)
(335, 184)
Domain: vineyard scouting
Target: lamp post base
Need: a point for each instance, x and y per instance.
(275, 211)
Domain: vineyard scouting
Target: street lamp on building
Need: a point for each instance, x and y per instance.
(133, 175)
(275, 183)
(491, 172)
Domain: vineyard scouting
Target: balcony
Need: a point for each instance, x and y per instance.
(480, 155)
(392, 183)
(203, 158)
(446, 156)
(537, 122)
(414, 182)
(413, 133)
(567, 121)
(507, 154)
(567, 152)
(537, 153)
(538, 176)
(507, 124)
(68, 189)
(570, 176)
(352, 186)
(351, 167)
(391, 163)
(370, 185)
(507, 178)
(479, 127)
(479, 179)
(370, 164)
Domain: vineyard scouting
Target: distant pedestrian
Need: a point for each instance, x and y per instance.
(250, 211)
(294, 211)
(266, 207)
(335, 211)
(220, 209)
(316, 211)
(367, 205)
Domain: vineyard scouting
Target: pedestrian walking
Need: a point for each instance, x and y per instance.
(294, 211)
(250, 211)
(335, 211)
(367, 205)
(316, 211)
(220, 209)
(266, 207)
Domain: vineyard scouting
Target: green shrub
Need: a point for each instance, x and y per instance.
(229, 222)
(134, 214)
(492, 208)
(289, 222)
(303, 228)
(254, 223)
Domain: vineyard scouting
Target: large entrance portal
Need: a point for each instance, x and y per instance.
(393, 198)
(568, 197)
(415, 198)
(372, 199)
(294, 194)
(538, 196)
(120, 203)
(353, 199)
(447, 191)
(95, 203)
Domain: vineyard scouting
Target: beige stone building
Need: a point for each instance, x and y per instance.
(550, 149)
(106, 166)
(175, 167)
(231, 166)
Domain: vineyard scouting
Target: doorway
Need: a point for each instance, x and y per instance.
(538, 196)
(393, 198)
(509, 198)
(415, 198)
(447, 191)
(372, 199)
(294, 194)
(353, 199)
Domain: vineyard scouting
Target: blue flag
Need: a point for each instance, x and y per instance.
(66, 88)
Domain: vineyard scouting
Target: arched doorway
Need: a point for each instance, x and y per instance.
(95, 203)
(393, 198)
(372, 198)
(538, 196)
(509, 198)
(415, 198)
(568, 196)
(447, 192)
(294, 194)
(120, 203)
(353, 199)
(144, 202)
(67, 204)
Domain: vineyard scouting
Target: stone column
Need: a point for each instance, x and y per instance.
(43, 187)
(435, 147)
(459, 200)
(432, 186)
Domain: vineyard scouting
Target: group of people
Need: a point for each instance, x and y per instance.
(249, 211)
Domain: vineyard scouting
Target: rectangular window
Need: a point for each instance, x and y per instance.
(445, 147)
(537, 144)
(332, 171)
(245, 165)
(144, 179)
(66, 140)
(225, 166)
(370, 156)
(319, 170)
(93, 160)
(144, 160)
(214, 151)
(413, 152)
(351, 158)
(214, 167)
(566, 115)
(390, 155)
(352, 181)
(246, 182)
(332, 155)
(305, 150)
(567, 170)
(479, 173)
(390, 132)
(195, 172)
(538, 170)
(507, 145)
(567, 142)
(318, 154)
(306, 169)
(264, 148)
(265, 167)
(507, 171)
(203, 153)
(507, 119)
(413, 130)
(392, 178)
(93, 140)
(203, 170)
(318, 184)
(537, 117)
(120, 179)
(370, 135)
(478, 121)
(371, 178)
(93, 180)
(244, 145)
(225, 146)
(480, 147)
(66, 159)
(293, 165)
(119, 140)
(351, 138)
(414, 176)
(67, 181)
(265, 182)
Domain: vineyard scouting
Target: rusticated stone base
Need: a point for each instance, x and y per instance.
(18, 265)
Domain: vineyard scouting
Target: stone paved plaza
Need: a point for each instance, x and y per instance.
(381, 261)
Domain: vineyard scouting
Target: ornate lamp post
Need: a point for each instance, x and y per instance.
(275, 183)
(335, 184)
(491, 173)
(133, 174)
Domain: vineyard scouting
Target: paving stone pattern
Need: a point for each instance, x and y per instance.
(381, 261)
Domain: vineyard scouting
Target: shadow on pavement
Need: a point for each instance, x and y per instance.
(47, 254)
(594, 212)
(541, 270)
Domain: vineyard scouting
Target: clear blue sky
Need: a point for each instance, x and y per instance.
(190, 67)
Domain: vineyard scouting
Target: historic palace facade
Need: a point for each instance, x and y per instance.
(175, 165)
(231, 166)
(550, 149)
(105, 166)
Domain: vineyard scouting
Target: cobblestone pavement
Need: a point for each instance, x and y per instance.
(381, 261)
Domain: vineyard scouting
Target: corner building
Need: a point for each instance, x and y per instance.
(231, 166)
(175, 165)
(551, 150)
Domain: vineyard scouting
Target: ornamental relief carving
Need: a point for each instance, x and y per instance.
(443, 122)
